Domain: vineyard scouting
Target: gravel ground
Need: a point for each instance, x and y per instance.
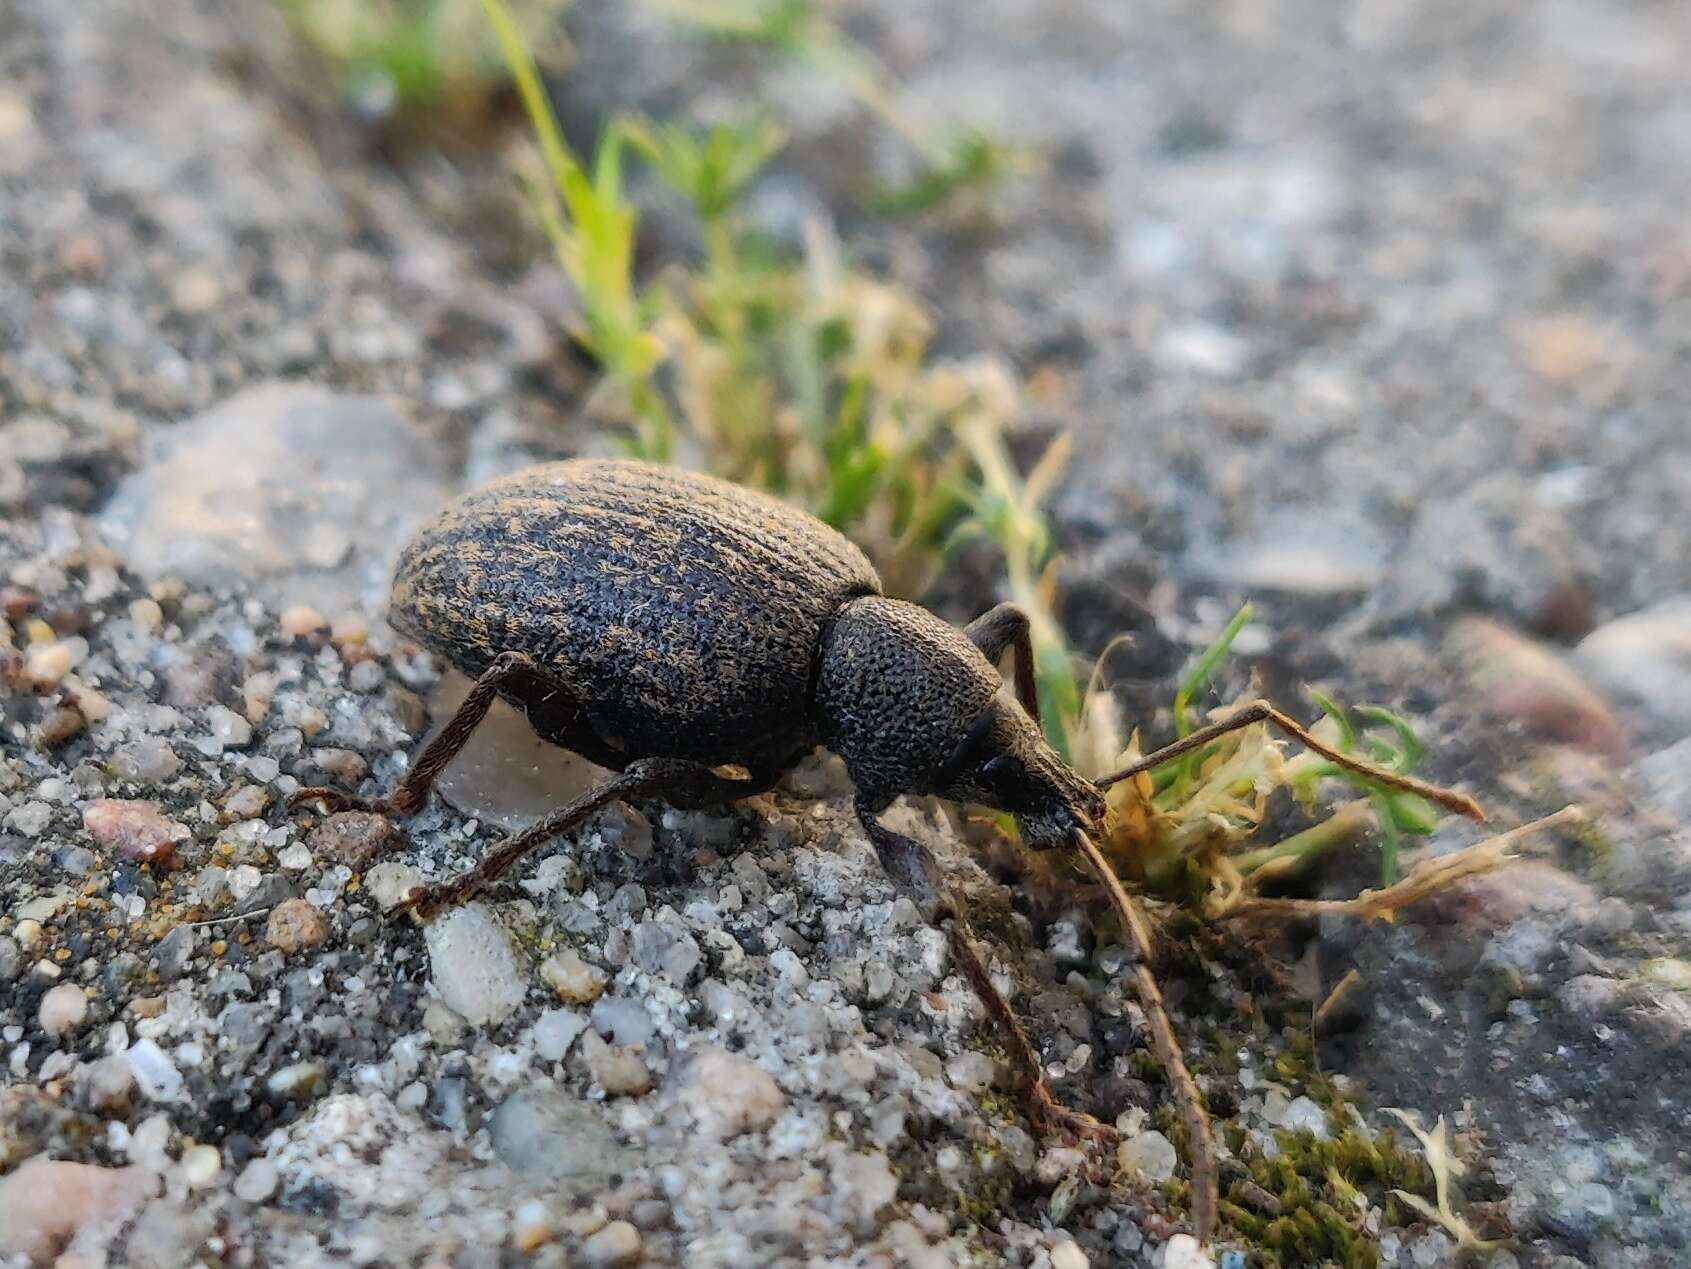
(1378, 313)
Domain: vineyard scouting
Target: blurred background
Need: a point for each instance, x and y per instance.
(1375, 315)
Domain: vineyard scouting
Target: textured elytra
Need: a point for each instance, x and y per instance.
(669, 614)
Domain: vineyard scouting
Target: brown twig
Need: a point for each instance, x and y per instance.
(1426, 878)
(1205, 1185)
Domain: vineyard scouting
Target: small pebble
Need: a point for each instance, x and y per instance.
(228, 728)
(616, 1244)
(343, 764)
(295, 925)
(137, 830)
(353, 838)
(531, 1227)
(555, 1031)
(618, 1070)
(154, 1072)
(257, 1181)
(1068, 1255)
(1184, 1252)
(389, 883)
(147, 614)
(63, 1009)
(149, 760)
(1150, 1153)
(59, 725)
(47, 663)
(349, 630)
(110, 1083)
(575, 981)
(474, 966)
(970, 1071)
(201, 1166)
(300, 620)
(247, 802)
(729, 1094)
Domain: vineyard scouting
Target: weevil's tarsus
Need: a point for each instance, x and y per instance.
(1205, 1185)
(1048, 1116)
(1263, 712)
(411, 794)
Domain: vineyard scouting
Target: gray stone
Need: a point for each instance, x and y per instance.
(546, 1133)
(284, 487)
(622, 1020)
(663, 947)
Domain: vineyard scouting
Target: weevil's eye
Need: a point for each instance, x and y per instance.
(1001, 772)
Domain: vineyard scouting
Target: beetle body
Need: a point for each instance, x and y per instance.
(664, 614)
(668, 614)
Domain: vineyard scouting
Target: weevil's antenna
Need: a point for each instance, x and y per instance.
(1205, 1188)
(1263, 712)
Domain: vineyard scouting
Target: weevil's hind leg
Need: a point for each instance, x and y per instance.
(1263, 712)
(912, 867)
(1006, 626)
(412, 792)
(679, 782)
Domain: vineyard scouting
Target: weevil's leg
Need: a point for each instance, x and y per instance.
(412, 792)
(912, 867)
(1263, 712)
(679, 782)
(1006, 626)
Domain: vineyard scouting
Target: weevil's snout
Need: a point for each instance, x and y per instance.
(1005, 763)
(1065, 805)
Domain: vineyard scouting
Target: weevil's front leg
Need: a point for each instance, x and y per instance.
(912, 867)
(412, 792)
(679, 782)
(1006, 626)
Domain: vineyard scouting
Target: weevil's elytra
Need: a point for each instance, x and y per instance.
(672, 627)
(682, 615)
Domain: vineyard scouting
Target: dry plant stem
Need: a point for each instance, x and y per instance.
(1427, 878)
(1263, 712)
(1205, 1187)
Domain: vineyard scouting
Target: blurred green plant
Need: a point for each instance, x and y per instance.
(427, 64)
(957, 165)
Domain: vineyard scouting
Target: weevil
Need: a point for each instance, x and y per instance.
(699, 639)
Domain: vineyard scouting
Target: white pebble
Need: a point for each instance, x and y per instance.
(296, 858)
(1068, 1255)
(555, 1031)
(1150, 1153)
(63, 1009)
(616, 1244)
(1184, 1252)
(200, 1166)
(155, 1073)
(257, 1181)
(228, 728)
(474, 966)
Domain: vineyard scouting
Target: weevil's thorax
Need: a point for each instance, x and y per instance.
(896, 689)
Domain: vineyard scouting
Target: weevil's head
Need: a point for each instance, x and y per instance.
(1004, 762)
(913, 707)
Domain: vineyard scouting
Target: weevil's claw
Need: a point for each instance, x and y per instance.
(1058, 1122)
(333, 800)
